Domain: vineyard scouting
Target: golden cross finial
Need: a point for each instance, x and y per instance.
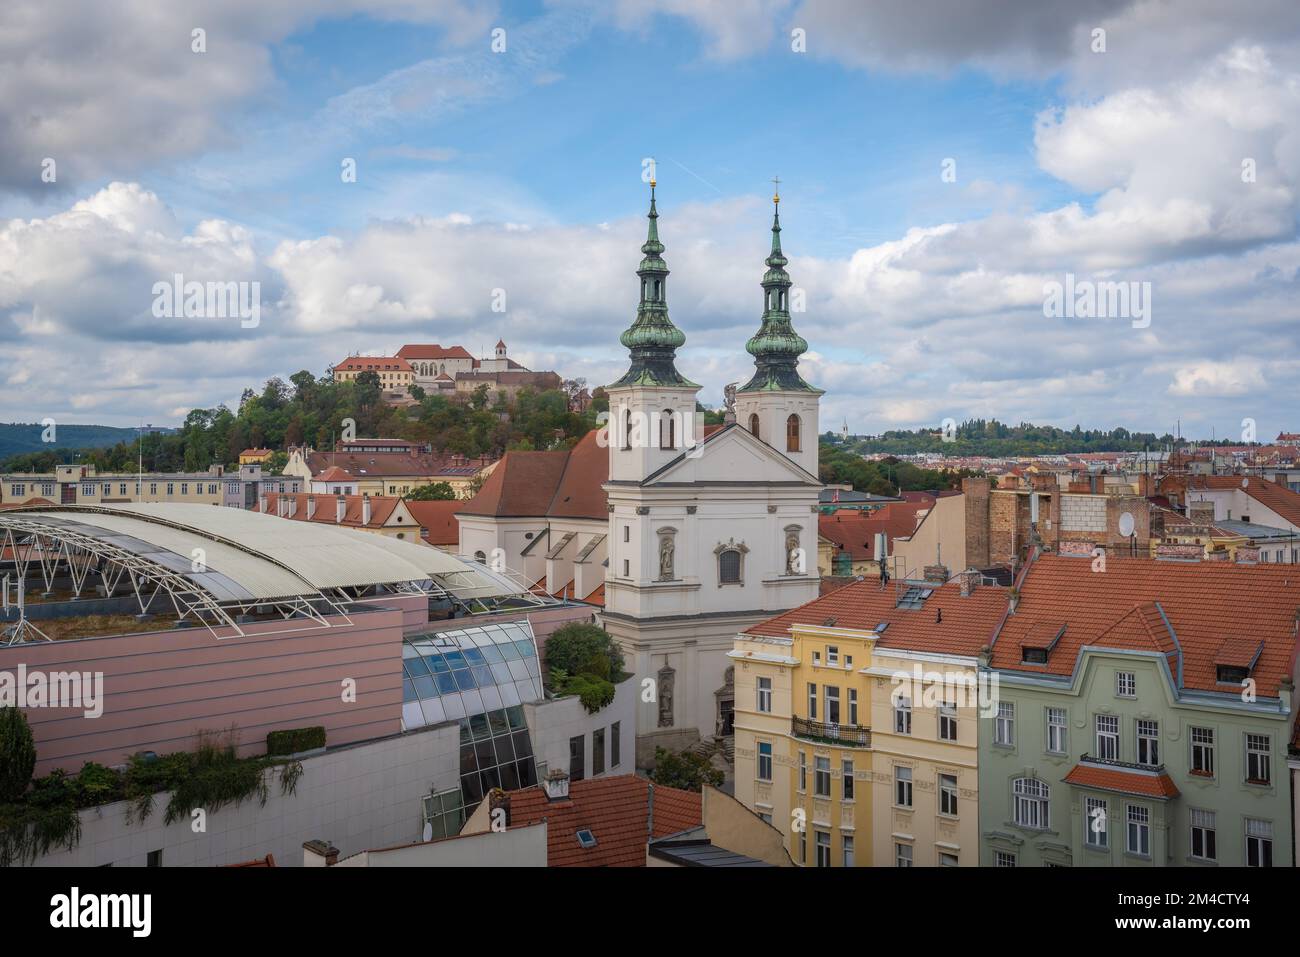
(776, 192)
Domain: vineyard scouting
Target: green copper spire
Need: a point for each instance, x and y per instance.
(776, 347)
(652, 338)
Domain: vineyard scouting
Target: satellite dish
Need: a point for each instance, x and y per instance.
(427, 833)
(1126, 524)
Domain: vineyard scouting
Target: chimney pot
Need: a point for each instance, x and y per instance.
(340, 509)
(311, 507)
(556, 784)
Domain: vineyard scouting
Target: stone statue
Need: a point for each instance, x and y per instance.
(666, 558)
(666, 677)
(792, 559)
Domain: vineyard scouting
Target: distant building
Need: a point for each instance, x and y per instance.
(381, 515)
(83, 485)
(394, 372)
(255, 456)
(386, 467)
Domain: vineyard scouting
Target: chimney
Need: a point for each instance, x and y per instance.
(311, 507)
(556, 784)
(1201, 513)
(340, 509)
(319, 853)
(497, 798)
(293, 506)
(935, 574)
(365, 509)
(261, 503)
(281, 506)
(969, 580)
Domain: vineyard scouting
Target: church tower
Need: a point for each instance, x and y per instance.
(777, 405)
(652, 416)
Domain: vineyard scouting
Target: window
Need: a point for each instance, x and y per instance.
(803, 771)
(1203, 843)
(846, 779)
(792, 434)
(848, 850)
(803, 847)
(947, 860)
(765, 761)
(1125, 684)
(765, 695)
(853, 706)
(444, 812)
(1203, 751)
(948, 721)
(1148, 742)
(822, 777)
(598, 751)
(812, 701)
(667, 430)
(832, 704)
(1004, 725)
(627, 569)
(823, 840)
(1004, 859)
(155, 859)
(948, 794)
(1096, 824)
(627, 429)
(1108, 737)
(627, 533)
(902, 715)
(577, 757)
(729, 566)
(1259, 843)
(833, 656)
(1056, 730)
(1259, 768)
(903, 855)
(614, 750)
(1031, 803)
(1139, 831)
(903, 787)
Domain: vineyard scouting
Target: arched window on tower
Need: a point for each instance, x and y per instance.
(627, 429)
(658, 289)
(667, 430)
(792, 434)
(753, 425)
(643, 289)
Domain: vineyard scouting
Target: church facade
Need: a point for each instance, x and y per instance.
(711, 533)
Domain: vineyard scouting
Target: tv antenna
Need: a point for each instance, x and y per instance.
(21, 630)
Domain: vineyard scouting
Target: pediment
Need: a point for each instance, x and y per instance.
(733, 457)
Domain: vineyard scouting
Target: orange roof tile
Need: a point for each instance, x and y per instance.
(439, 519)
(1144, 783)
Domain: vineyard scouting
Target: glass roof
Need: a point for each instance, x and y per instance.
(468, 672)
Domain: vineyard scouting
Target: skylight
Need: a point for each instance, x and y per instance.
(586, 838)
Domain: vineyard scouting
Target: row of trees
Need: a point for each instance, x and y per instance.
(888, 476)
(993, 438)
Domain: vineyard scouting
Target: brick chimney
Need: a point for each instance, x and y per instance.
(311, 507)
(935, 574)
(365, 509)
(293, 506)
(340, 509)
(556, 784)
(969, 580)
(319, 853)
(261, 503)
(1201, 513)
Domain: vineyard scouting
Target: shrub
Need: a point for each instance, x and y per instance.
(595, 692)
(17, 754)
(686, 770)
(579, 648)
(293, 740)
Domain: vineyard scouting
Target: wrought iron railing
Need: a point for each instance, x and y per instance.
(853, 735)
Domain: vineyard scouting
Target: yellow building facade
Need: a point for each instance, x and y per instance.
(861, 753)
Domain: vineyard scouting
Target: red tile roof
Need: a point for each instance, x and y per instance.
(439, 519)
(855, 532)
(373, 364)
(1145, 604)
(565, 484)
(381, 508)
(433, 352)
(379, 465)
(1142, 783)
(1279, 498)
(618, 812)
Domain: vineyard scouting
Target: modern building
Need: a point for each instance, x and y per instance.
(84, 485)
(1143, 716)
(857, 722)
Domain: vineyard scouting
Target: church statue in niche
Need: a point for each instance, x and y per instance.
(794, 558)
(666, 551)
(666, 677)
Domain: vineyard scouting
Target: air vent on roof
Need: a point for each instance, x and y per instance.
(586, 838)
(880, 628)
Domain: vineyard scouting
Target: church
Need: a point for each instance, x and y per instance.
(685, 535)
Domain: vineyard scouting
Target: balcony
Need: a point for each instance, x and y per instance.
(849, 735)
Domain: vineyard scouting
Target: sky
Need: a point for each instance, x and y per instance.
(943, 166)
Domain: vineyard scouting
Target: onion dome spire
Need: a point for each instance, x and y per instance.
(776, 347)
(652, 338)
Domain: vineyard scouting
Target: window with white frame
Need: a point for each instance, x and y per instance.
(903, 855)
(1139, 830)
(803, 771)
(1148, 742)
(948, 721)
(1259, 843)
(1203, 836)
(822, 776)
(812, 701)
(903, 787)
(823, 839)
(1259, 765)
(846, 779)
(948, 860)
(848, 850)
(832, 695)
(902, 715)
(1202, 751)
(1006, 859)
(765, 695)
(1108, 737)
(948, 794)
(1096, 822)
(853, 706)
(1004, 725)
(1032, 807)
(765, 761)
(832, 655)
(1125, 684)
(1057, 730)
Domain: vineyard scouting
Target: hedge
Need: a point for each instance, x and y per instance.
(294, 740)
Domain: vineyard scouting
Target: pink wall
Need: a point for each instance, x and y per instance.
(161, 688)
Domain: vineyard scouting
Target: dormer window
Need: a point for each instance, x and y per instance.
(1231, 674)
(1035, 656)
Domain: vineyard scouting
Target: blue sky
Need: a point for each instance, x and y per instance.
(521, 170)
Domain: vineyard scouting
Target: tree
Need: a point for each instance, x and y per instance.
(578, 648)
(685, 770)
(17, 754)
(433, 492)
